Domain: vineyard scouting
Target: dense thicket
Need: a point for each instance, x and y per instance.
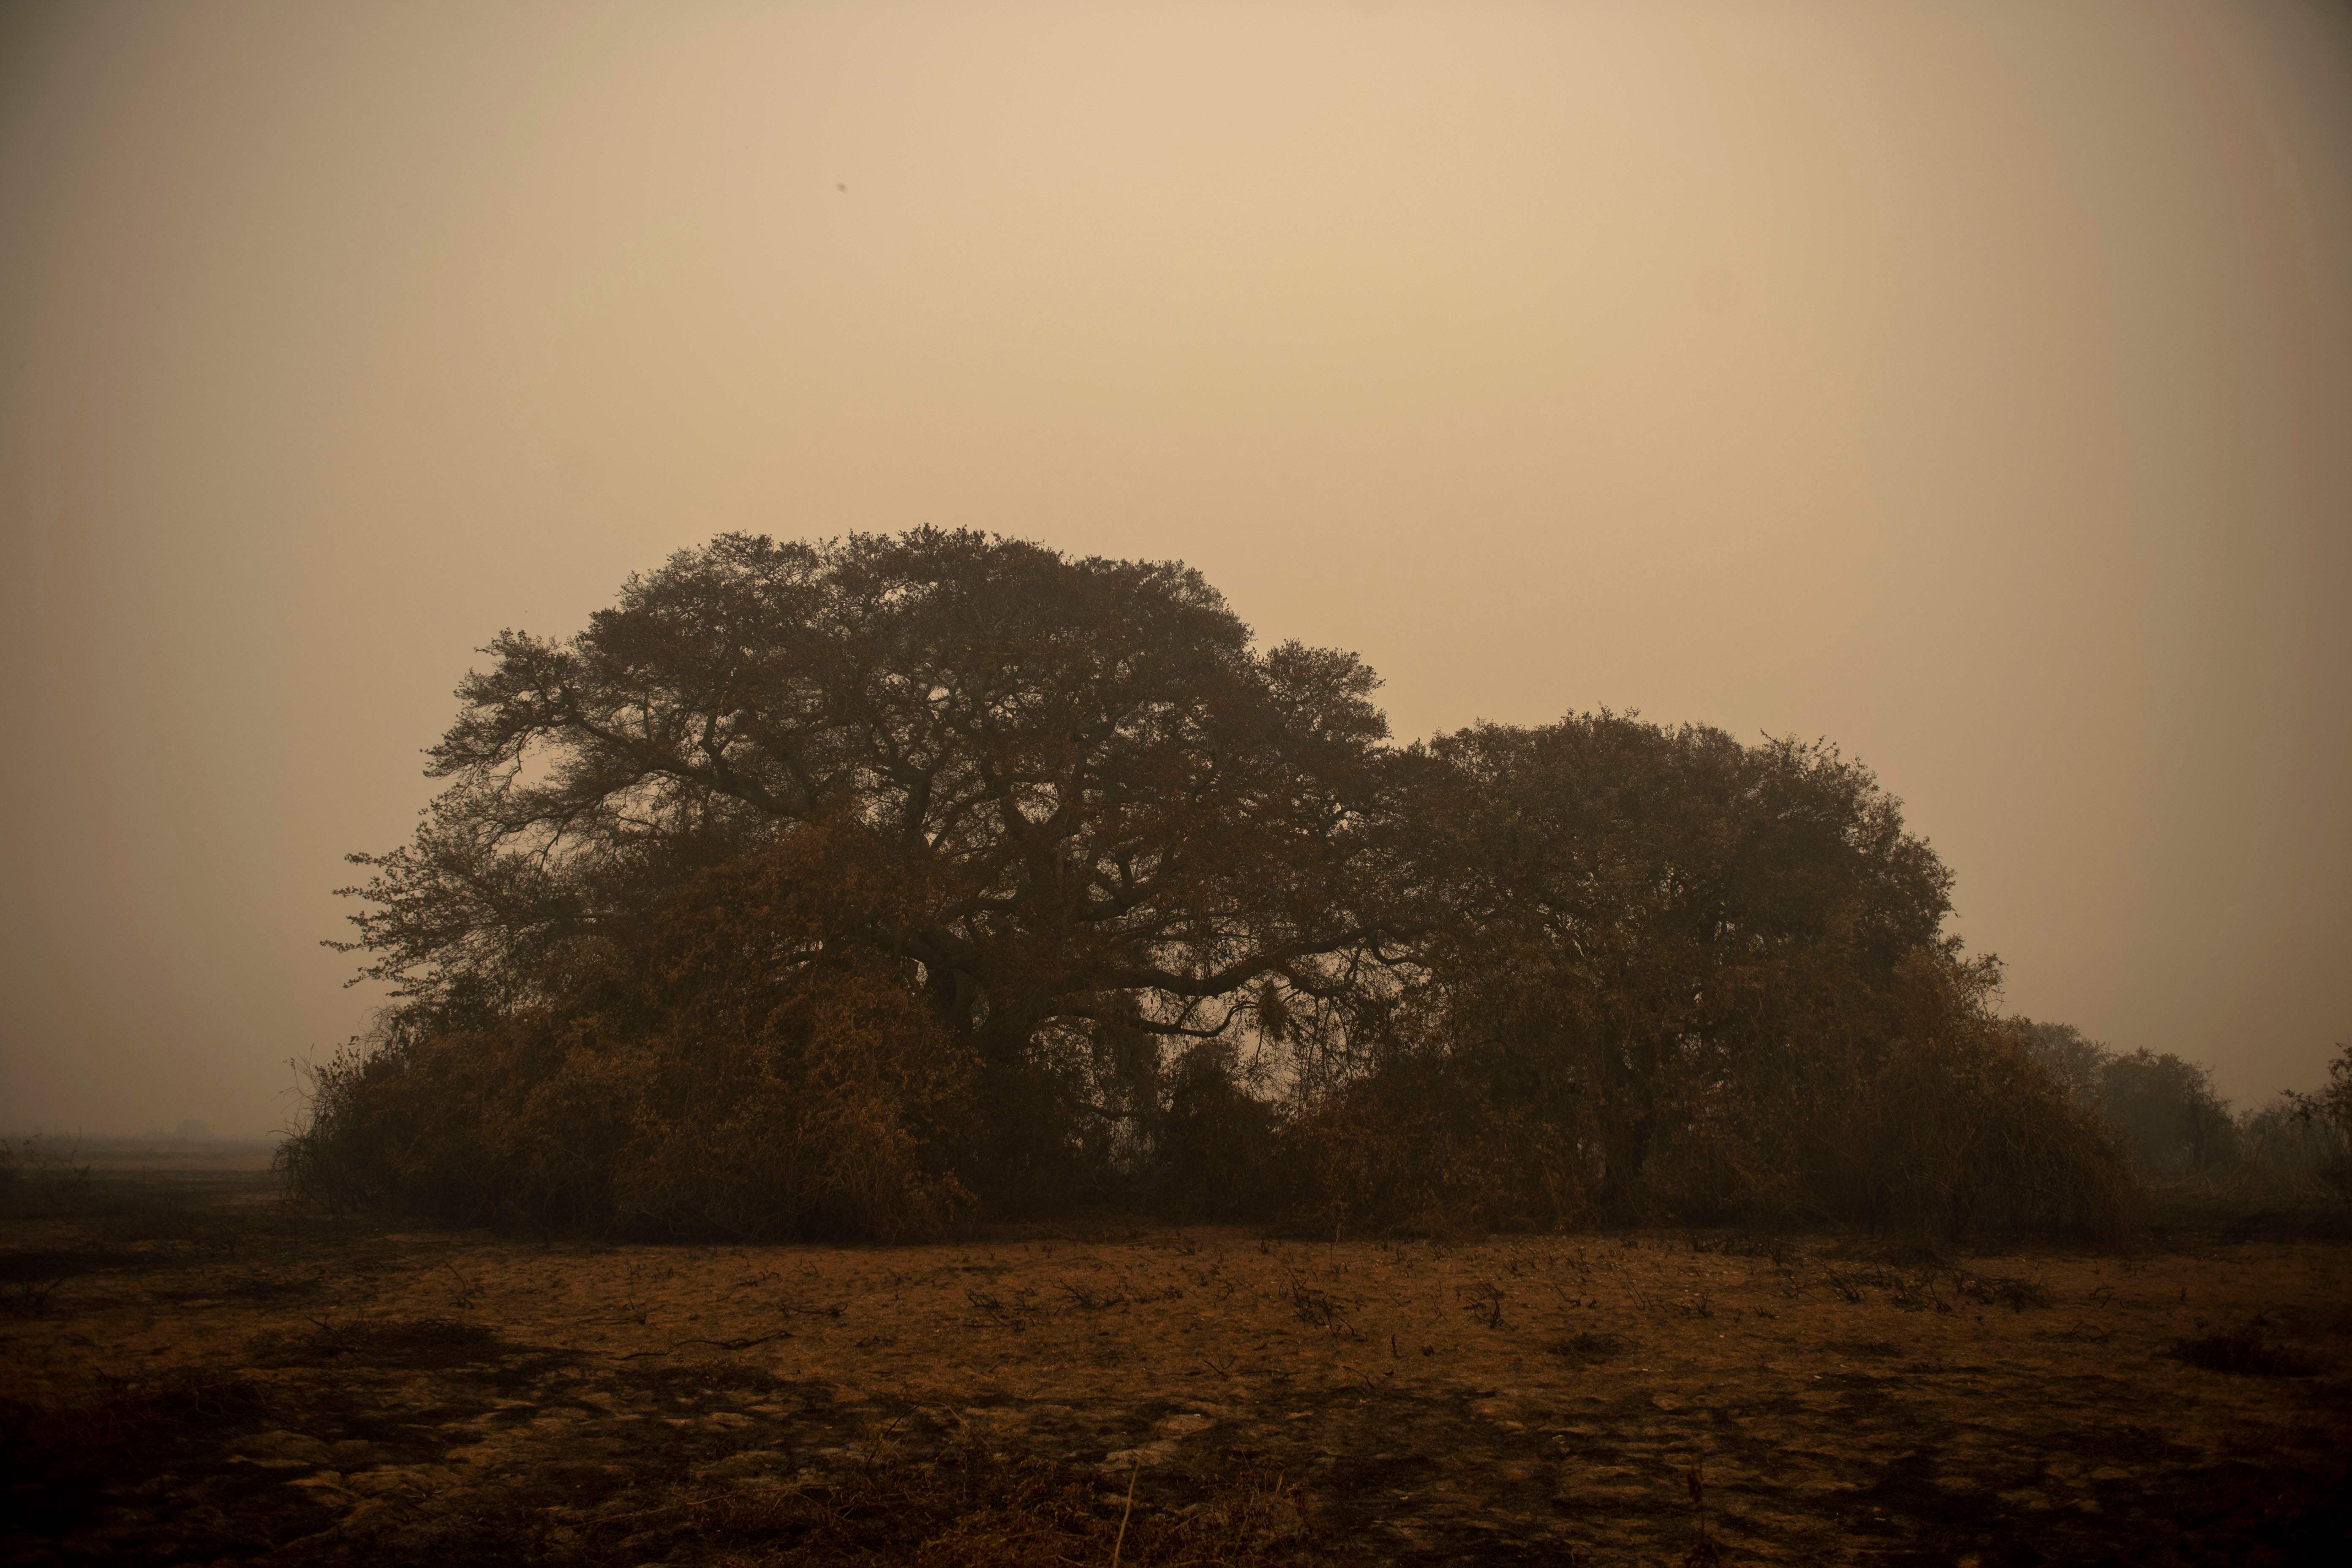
(852, 888)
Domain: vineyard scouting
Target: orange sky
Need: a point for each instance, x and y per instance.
(1970, 384)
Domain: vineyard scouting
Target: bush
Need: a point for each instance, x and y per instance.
(1942, 1133)
(2327, 1118)
(1427, 1147)
(1959, 1134)
(1213, 1149)
(752, 1067)
(39, 1178)
(2285, 1139)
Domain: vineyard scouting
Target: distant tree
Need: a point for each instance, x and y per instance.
(1120, 816)
(2282, 1137)
(2073, 1058)
(2163, 1109)
(2167, 1114)
(2333, 1103)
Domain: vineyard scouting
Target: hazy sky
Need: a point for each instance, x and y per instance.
(1969, 383)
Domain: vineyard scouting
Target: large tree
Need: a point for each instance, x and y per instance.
(1121, 814)
(820, 888)
(1664, 972)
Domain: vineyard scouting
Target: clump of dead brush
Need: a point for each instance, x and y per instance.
(2247, 1351)
(1917, 1293)
(1088, 1299)
(29, 1298)
(1995, 1290)
(1740, 1243)
(1486, 1304)
(1017, 1314)
(1316, 1309)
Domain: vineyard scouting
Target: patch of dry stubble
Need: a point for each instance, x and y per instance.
(361, 1397)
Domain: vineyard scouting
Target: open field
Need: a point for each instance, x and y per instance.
(223, 1378)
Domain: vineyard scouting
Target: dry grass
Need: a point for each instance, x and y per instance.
(250, 1384)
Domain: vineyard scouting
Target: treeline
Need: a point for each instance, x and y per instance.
(868, 887)
(2164, 1114)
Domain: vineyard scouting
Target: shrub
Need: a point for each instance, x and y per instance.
(756, 1066)
(1943, 1134)
(2326, 1118)
(39, 1178)
(1213, 1155)
(1427, 1146)
(2285, 1139)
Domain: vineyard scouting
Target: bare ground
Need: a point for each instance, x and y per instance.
(220, 1377)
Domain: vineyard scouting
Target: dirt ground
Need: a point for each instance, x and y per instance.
(223, 1378)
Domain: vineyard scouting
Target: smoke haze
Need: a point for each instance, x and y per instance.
(1968, 385)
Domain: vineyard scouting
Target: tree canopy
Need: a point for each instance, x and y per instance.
(1663, 970)
(1642, 915)
(1110, 792)
(1172, 915)
(1116, 810)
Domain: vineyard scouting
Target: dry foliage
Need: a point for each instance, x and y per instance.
(1680, 979)
(749, 1069)
(865, 888)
